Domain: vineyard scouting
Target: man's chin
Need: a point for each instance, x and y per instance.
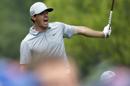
(45, 25)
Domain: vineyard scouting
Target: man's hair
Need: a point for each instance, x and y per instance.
(32, 19)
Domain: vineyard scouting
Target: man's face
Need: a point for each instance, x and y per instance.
(41, 19)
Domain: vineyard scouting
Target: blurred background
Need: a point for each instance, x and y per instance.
(91, 54)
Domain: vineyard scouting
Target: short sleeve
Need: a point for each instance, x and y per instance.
(25, 53)
(68, 30)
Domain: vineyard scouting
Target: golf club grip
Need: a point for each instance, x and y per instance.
(110, 15)
(110, 18)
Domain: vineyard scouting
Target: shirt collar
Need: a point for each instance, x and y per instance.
(34, 32)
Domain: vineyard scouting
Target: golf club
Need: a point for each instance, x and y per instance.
(111, 11)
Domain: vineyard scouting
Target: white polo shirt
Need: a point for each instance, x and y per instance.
(45, 44)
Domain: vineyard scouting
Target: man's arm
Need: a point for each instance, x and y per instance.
(25, 55)
(82, 30)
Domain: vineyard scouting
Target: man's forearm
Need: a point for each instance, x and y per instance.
(89, 32)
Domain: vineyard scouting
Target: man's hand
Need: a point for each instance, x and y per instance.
(107, 31)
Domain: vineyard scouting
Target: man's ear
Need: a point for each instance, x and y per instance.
(33, 18)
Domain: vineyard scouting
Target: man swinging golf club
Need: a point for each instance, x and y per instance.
(47, 39)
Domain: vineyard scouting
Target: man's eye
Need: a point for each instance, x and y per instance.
(44, 12)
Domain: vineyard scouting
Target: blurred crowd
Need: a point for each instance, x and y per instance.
(54, 72)
(11, 75)
(49, 72)
(119, 76)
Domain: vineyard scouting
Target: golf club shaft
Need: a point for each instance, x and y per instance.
(111, 11)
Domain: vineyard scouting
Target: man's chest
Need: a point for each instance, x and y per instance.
(46, 42)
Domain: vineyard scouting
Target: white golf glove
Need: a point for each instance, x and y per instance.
(107, 31)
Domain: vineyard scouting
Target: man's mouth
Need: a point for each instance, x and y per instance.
(45, 20)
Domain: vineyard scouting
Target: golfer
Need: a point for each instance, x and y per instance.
(47, 39)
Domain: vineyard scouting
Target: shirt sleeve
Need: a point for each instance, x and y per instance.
(68, 31)
(25, 53)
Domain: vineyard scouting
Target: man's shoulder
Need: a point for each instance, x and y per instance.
(27, 38)
(56, 24)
